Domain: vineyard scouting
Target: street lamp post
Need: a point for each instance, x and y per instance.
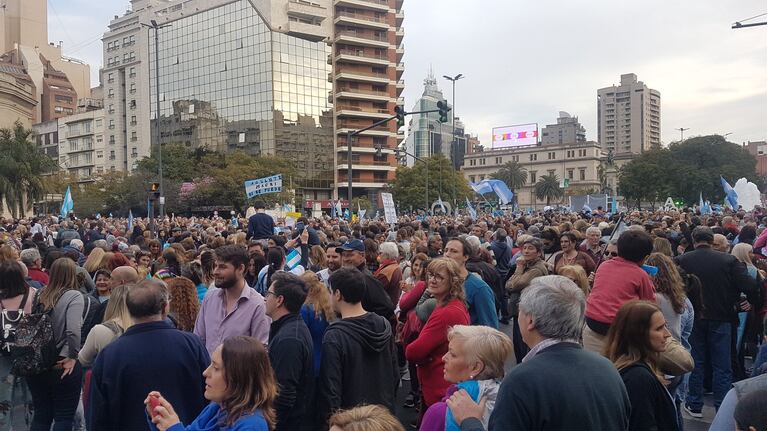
(157, 28)
(453, 144)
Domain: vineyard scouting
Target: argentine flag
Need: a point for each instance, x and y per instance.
(68, 204)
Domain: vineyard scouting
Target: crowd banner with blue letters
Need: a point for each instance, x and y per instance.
(262, 186)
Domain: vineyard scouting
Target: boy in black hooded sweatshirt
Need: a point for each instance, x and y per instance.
(359, 361)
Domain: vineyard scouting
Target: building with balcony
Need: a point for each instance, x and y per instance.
(18, 94)
(581, 163)
(59, 97)
(367, 81)
(81, 148)
(628, 117)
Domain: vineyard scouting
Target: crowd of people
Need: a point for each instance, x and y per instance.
(617, 322)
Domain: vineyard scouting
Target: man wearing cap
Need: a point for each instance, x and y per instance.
(375, 299)
(260, 224)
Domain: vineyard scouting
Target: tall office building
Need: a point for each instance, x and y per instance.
(628, 117)
(229, 82)
(367, 71)
(567, 130)
(427, 136)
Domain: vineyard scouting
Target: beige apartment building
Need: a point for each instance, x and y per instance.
(628, 117)
(577, 162)
(82, 150)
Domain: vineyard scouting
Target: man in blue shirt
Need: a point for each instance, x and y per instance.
(479, 296)
(260, 224)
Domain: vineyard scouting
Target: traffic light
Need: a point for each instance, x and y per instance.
(400, 113)
(443, 110)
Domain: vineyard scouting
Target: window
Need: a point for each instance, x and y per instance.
(63, 99)
(552, 155)
(111, 93)
(552, 171)
(74, 129)
(112, 155)
(87, 127)
(132, 73)
(111, 139)
(533, 157)
(111, 109)
(498, 160)
(472, 178)
(132, 88)
(98, 123)
(533, 175)
(133, 120)
(111, 124)
(582, 172)
(133, 136)
(73, 145)
(570, 174)
(515, 158)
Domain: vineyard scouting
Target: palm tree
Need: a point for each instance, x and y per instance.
(548, 188)
(21, 168)
(513, 174)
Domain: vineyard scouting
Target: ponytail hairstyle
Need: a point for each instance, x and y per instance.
(275, 261)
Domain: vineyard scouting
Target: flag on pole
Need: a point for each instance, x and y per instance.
(67, 205)
(731, 197)
(472, 211)
(502, 191)
(360, 211)
(700, 203)
(482, 187)
(332, 209)
(130, 220)
(619, 228)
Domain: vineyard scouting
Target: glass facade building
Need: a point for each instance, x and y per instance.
(229, 83)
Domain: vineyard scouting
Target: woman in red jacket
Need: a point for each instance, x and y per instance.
(446, 285)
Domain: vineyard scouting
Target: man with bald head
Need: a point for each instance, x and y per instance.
(149, 356)
(123, 275)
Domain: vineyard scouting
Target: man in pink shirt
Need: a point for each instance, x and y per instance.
(232, 307)
(617, 281)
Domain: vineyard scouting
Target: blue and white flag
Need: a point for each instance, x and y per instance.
(729, 193)
(339, 209)
(706, 208)
(130, 220)
(500, 188)
(360, 211)
(347, 214)
(472, 211)
(264, 185)
(700, 203)
(292, 259)
(67, 205)
(98, 216)
(332, 208)
(482, 187)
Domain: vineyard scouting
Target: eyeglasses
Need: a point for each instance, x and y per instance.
(613, 253)
(269, 292)
(437, 277)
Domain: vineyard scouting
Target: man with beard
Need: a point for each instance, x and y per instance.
(231, 307)
(333, 261)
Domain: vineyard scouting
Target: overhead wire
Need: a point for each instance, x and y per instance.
(753, 17)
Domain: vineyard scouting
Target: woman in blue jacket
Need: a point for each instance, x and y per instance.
(239, 383)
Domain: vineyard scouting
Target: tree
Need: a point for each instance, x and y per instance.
(513, 174)
(363, 203)
(22, 166)
(686, 169)
(410, 188)
(548, 188)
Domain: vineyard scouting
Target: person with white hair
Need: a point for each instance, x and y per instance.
(593, 244)
(389, 272)
(558, 385)
(31, 258)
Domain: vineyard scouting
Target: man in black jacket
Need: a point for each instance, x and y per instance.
(723, 278)
(359, 362)
(558, 385)
(290, 352)
(375, 298)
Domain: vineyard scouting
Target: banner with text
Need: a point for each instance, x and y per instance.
(390, 214)
(263, 186)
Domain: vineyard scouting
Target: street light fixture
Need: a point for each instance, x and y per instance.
(453, 79)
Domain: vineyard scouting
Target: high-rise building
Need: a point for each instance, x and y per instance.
(229, 82)
(628, 117)
(567, 130)
(82, 150)
(25, 27)
(427, 136)
(367, 71)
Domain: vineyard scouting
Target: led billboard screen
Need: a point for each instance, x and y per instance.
(521, 135)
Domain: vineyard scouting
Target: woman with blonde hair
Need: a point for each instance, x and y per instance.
(445, 284)
(474, 362)
(317, 313)
(93, 262)
(663, 246)
(577, 274)
(56, 391)
(116, 320)
(317, 259)
(241, 388)
(365, 418)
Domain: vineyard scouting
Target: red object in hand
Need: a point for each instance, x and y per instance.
(153, 403)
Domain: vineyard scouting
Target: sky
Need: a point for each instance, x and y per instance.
(525, 61)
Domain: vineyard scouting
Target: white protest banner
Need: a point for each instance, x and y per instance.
(390, 214)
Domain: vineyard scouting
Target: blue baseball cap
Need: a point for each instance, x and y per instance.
(353, 245)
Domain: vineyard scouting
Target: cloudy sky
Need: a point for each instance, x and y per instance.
(526, 60)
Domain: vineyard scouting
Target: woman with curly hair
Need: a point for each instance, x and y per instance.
(317, 313)
(240, 385)
(185, 304)
(445, 284)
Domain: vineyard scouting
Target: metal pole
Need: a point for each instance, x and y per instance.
(157, 117)
(349, 168)
(453, 150)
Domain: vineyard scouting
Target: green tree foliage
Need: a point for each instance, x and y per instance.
(363, 203)
(686, 169)
(409, 188)
(548, 188)
(22, 167)
(513, 174)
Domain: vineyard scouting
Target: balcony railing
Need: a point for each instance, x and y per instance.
(365, 36)
(363, 91)
(362, 54)
(361, 17)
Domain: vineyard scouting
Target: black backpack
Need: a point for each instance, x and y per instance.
(34, 350)
(9, 319)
